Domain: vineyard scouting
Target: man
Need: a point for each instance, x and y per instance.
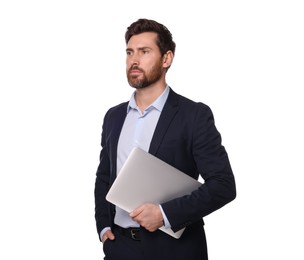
(175, 129)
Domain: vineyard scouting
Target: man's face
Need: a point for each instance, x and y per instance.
(144, 61)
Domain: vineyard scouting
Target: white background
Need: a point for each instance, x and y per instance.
(62, 65)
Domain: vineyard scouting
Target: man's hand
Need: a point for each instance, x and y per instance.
(107, 235)
(148, 216)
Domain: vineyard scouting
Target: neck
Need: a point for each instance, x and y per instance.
(146, 96)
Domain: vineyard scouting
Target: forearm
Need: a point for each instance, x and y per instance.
(212, 195)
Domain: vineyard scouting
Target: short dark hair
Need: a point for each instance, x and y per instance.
(164, 36)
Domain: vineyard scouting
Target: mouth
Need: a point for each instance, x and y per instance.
(135, 71)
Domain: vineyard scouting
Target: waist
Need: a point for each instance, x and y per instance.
(131, 232)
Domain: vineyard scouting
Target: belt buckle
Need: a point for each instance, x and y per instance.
(133, 234)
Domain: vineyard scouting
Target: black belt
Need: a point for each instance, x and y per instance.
(133, 233)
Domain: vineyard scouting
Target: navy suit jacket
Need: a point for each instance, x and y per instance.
(185, 137)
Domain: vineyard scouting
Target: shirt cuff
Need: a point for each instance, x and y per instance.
(166, 221)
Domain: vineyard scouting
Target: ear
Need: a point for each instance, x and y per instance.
(168, 59)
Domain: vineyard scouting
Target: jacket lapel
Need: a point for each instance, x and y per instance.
(168, 113)
(118, 122)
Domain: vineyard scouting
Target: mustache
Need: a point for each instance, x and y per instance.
(135, 67)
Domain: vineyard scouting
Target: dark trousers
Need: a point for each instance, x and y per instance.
(157, 245)
(122, 248)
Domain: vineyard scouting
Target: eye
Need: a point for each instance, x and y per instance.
(145, 51)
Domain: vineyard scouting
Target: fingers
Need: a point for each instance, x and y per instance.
(107, 235)
(148, 216)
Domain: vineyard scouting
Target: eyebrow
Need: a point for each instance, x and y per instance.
(140, 49)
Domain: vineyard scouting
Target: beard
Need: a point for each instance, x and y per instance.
(148, 78)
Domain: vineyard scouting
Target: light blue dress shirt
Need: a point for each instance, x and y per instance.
(137, 131)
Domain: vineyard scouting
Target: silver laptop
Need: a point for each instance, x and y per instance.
(146, 179)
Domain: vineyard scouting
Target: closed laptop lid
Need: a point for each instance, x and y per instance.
(145, 178)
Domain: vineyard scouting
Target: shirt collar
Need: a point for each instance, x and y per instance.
(158, 103)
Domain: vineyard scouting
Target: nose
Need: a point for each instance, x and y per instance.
(133, 59)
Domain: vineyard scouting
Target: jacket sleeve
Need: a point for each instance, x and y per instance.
(101, 187)
(212, 163)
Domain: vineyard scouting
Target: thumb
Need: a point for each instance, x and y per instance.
(110, 235)
(135, 212)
